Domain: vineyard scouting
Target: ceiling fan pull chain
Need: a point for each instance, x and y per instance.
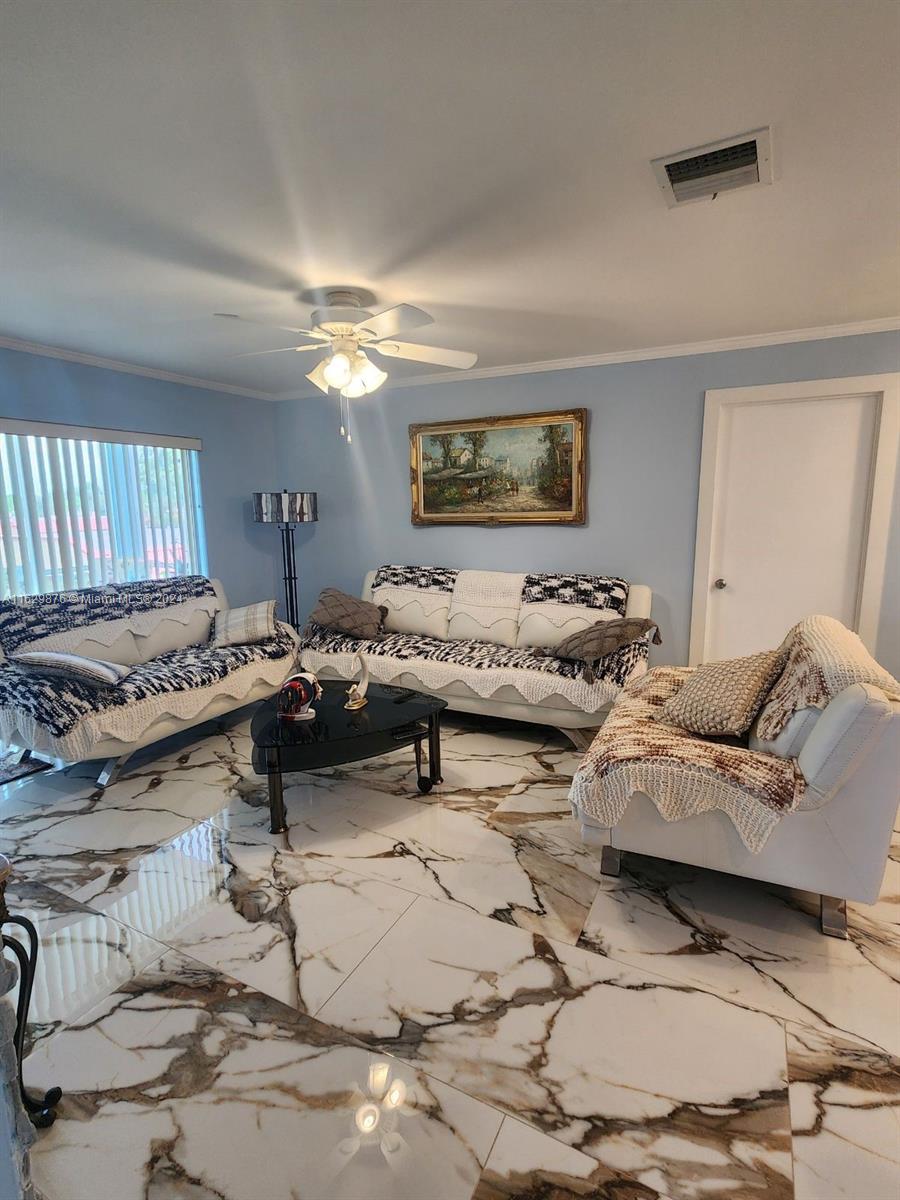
(341, 406)
(349, 436)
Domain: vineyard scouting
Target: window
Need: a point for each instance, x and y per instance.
(82, 507)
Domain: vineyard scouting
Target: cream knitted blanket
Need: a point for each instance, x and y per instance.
(683, 774)
(824, 657)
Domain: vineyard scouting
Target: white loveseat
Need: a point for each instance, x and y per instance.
(159, 628)
(836, 840)
(470, 637)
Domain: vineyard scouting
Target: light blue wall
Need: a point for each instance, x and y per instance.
(643, 472)
(238, 454)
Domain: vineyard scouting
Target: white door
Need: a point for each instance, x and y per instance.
(786, 525)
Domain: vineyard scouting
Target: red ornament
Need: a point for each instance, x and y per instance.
(296, 696)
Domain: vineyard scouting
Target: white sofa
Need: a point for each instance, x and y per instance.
(835, 843)
(488, 613)
(161, 629)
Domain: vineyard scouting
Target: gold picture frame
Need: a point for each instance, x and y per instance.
(526, 469)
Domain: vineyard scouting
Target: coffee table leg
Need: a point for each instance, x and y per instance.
(277, 821)
(423, 783)
(434, 748)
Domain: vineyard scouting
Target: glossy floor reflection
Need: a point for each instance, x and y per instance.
(214, 999)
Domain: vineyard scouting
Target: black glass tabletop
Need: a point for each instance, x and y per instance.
(388, 709)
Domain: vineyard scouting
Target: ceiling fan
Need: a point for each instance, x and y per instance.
(347, 331)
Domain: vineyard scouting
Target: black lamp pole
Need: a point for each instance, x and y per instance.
(287, 510)
(290, 573)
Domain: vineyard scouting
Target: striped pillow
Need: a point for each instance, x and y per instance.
(94, 671)
(244, 626)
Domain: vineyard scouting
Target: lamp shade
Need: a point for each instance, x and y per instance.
(285, 508)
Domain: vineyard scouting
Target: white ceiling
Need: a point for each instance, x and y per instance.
(487, 160)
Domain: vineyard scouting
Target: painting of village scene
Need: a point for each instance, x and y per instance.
(499, 469)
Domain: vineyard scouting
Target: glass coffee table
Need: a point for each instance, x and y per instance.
(394, 717)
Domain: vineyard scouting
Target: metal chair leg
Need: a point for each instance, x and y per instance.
(109, 772)
(833, 916)
(610, 861)
(41, 1111)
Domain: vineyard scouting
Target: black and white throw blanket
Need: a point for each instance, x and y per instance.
(486, 666)
(426, 579)
(589, 591)
(26, 619)
(59, 704)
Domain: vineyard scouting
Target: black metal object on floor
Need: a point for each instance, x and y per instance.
(41, 1110)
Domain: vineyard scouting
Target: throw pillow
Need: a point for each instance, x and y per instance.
(604, 637)
(723, 697)
(94, 671)
(244, 626)
(347, 614)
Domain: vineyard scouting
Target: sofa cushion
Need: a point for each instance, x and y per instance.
(555, 606)
(93, 671)
(57, 705)
(485, 607)
(547, 624)
(417, 599)
(485, 666)
(127, 623)
(723, 697)
(684, 775)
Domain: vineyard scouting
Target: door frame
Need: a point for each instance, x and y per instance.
(886, 388)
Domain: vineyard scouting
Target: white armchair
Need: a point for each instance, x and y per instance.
(836, 841)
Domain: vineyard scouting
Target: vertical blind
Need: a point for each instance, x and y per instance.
(77, 512)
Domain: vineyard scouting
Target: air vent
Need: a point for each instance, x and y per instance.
(704, 172)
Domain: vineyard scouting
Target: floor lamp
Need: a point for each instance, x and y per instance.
(287, 509)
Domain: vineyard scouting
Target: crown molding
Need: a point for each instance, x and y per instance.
(647, 353)
(112, 364)
(678, 350)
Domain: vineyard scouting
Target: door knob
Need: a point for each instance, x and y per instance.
(720, 583)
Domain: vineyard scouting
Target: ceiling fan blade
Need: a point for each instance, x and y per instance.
(287, 328)
(400, 318)
(461, 359)
(279, 350)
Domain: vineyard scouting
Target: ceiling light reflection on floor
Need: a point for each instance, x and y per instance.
(383, 1102)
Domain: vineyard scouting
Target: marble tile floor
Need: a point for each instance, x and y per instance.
(432, 996)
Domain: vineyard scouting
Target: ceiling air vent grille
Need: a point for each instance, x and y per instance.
(705, 171)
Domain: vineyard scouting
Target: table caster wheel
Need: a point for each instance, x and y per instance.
(424, 783)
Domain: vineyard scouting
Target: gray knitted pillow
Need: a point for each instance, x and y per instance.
(360, 618)
(589, 645)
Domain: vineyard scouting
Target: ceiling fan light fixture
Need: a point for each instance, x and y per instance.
(373, 378)
(337, 371)
(355, 388)
(317, 376)
(371, 375)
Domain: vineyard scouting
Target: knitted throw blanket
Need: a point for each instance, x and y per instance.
(57, 705)
(591, 591)
(824, 657)
(28, 619)
(683, 774)
(486, 666)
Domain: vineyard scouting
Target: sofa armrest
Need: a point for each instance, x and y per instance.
(848, 730)
(368, 582)
(640, 598)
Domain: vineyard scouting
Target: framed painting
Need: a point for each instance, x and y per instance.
(527, 469)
